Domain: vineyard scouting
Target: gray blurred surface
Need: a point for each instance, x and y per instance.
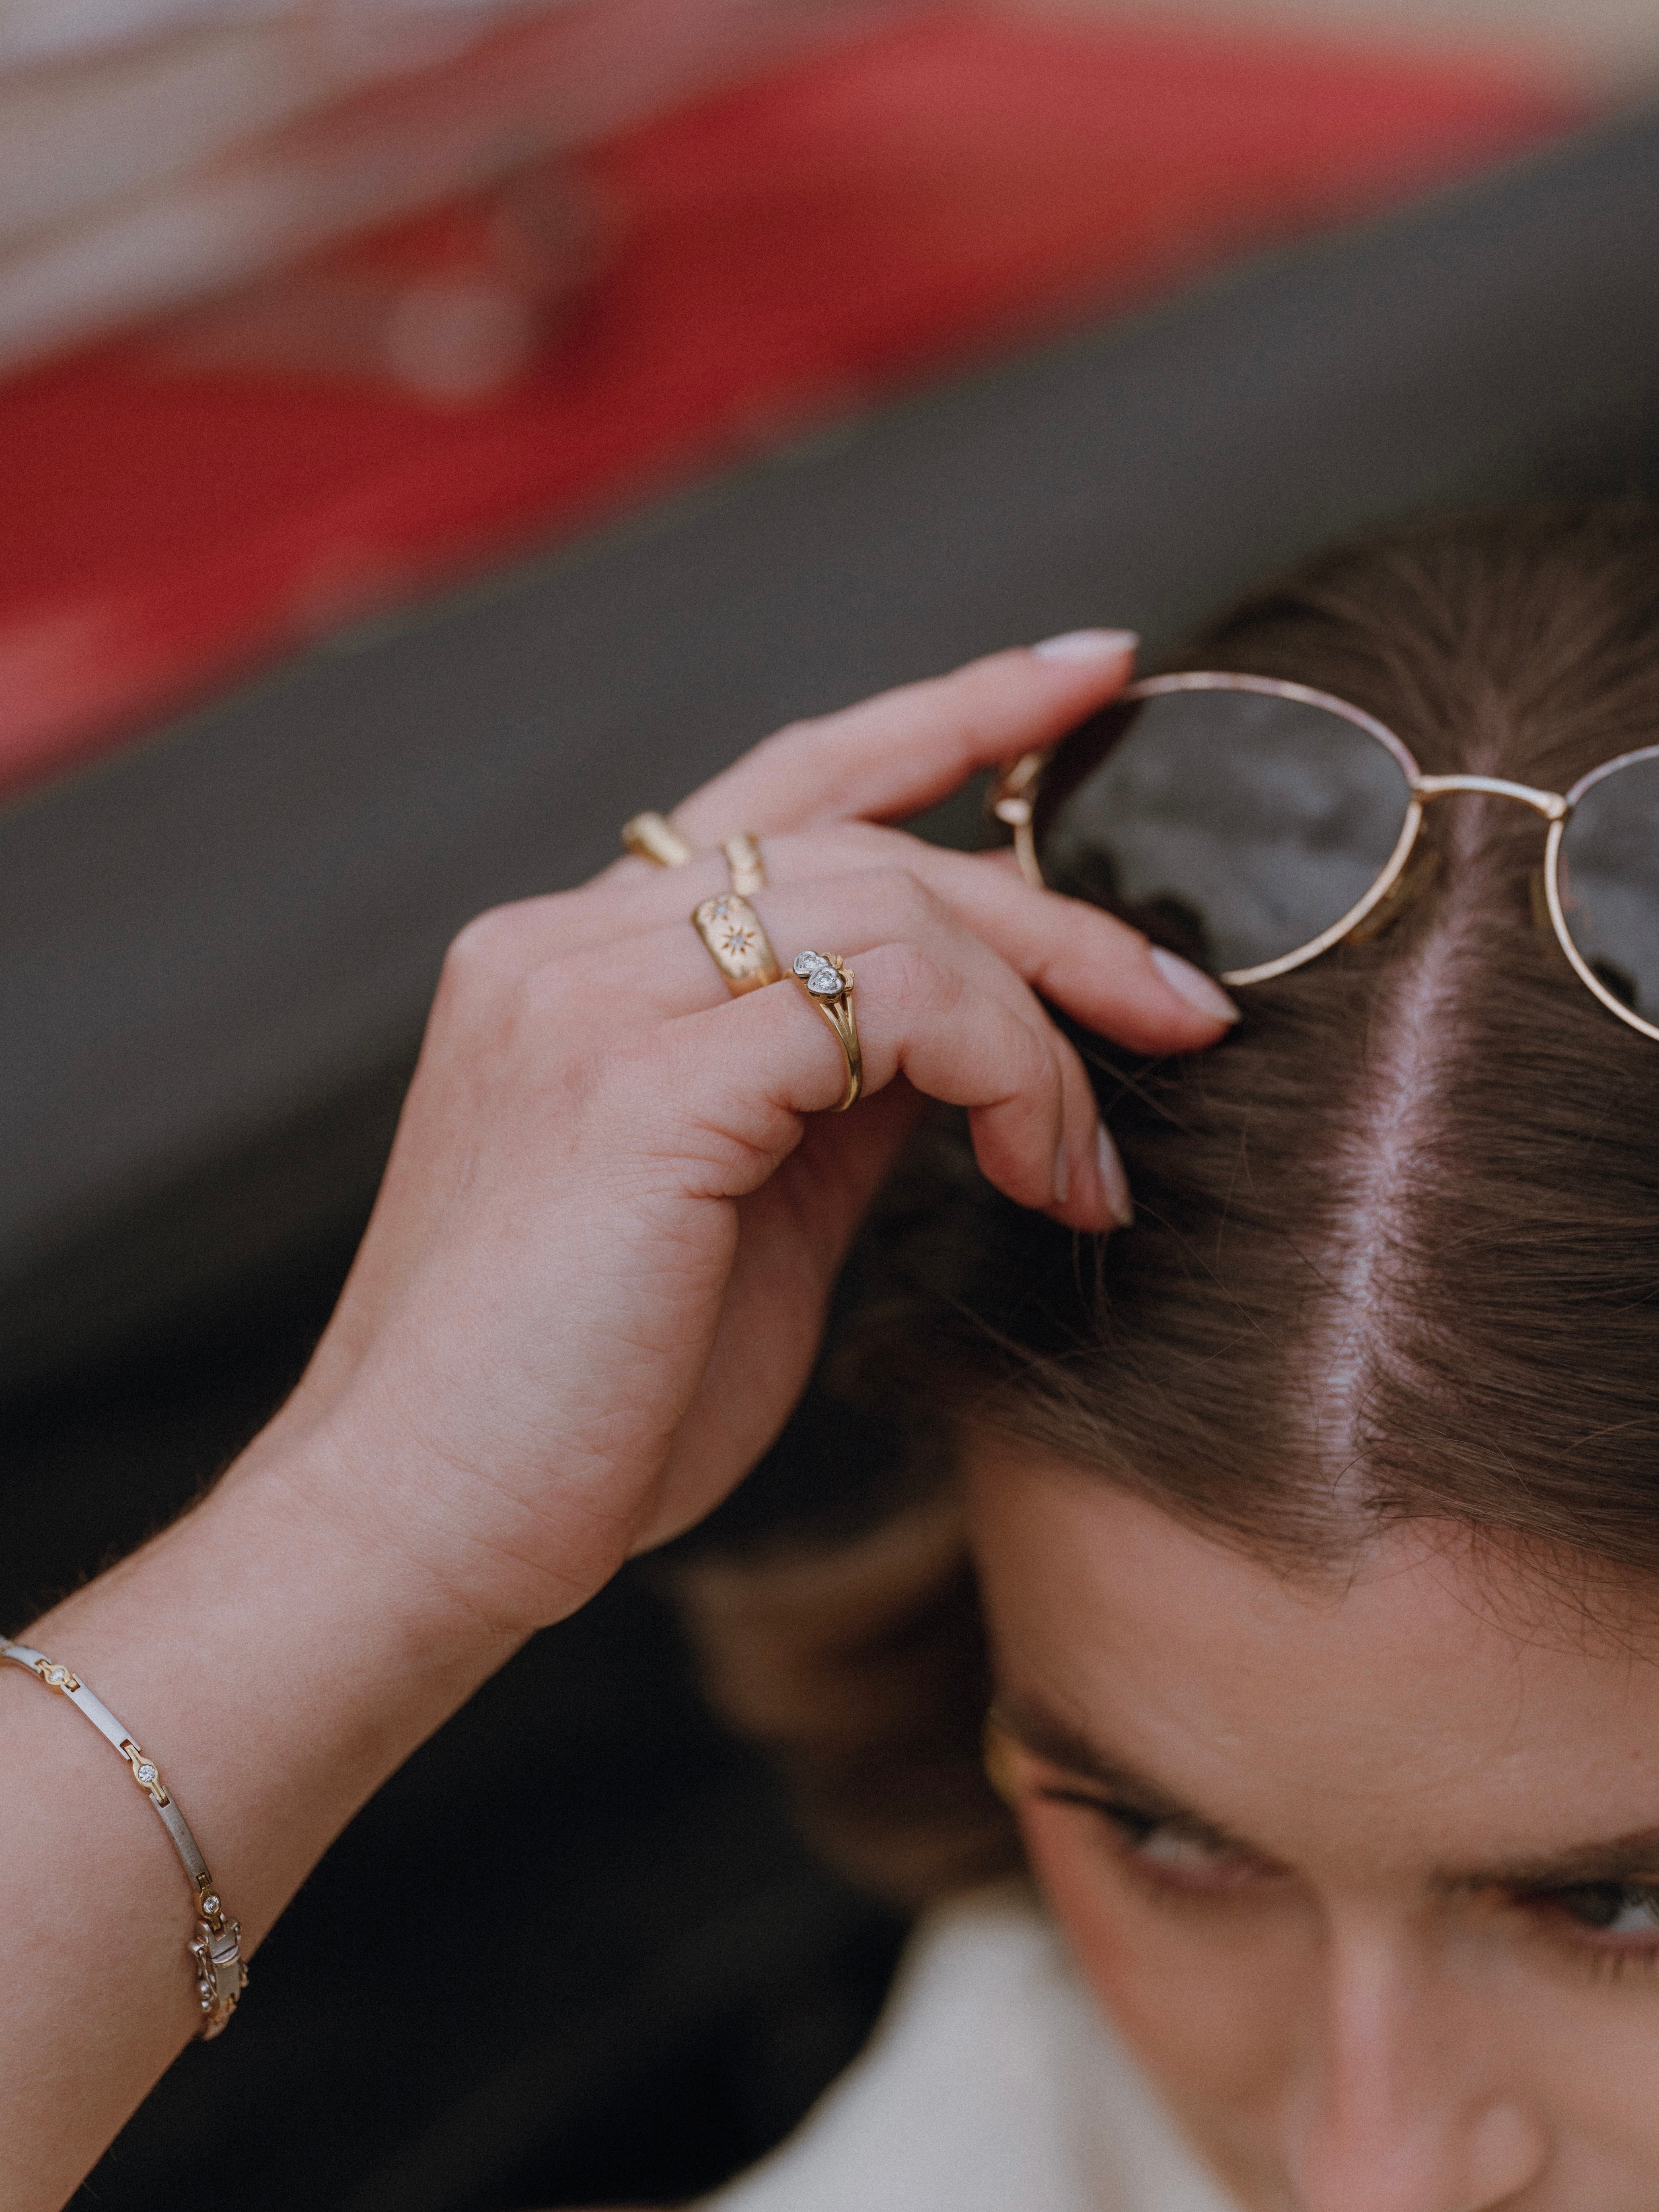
(218, 947)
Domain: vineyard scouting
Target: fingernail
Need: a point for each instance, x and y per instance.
(1063, 1176)
(1194, 986)
(1115, 1183)
(1087, 645)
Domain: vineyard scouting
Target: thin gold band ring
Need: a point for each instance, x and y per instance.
(653, 837)
(743, 858)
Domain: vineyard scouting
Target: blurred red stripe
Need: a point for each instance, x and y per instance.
(783, 251)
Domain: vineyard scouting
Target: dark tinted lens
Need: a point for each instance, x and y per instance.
(1609, 879)
(1232, 826)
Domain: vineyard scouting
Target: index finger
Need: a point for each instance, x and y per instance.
(893, 756)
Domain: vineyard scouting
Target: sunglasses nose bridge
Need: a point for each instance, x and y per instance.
(1550, 804)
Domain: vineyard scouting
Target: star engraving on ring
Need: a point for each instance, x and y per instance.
(738, 937)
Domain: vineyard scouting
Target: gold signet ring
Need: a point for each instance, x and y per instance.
(743, 858)
(737, 943)
(828, 984)
(653, 837)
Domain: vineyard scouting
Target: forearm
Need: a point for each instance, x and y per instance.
(279, 1655)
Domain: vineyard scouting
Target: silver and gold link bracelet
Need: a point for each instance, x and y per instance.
(216, 1946)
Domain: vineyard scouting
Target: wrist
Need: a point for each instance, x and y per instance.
(278, 1662)
(276, 1668)
(497, 1546)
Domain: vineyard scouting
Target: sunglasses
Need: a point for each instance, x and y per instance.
(1250, 825)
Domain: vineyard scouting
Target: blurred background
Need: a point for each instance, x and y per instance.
(431, 430)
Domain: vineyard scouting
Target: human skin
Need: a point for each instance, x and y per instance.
(591, 1288)
(1364, 1868)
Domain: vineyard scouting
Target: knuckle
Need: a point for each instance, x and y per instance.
(906, 905)
(912, 976)
(506, 944)
(1031, 1064)
(789, 733)
(783, 750)
(501, 941)
(474, 965)
(892, 900)
(479, 943)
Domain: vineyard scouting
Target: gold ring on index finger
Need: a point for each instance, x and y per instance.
(653, 837)
(828, 982)
(737, 942)
(742, 859)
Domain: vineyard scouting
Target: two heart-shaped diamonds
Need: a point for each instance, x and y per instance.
(823, 978)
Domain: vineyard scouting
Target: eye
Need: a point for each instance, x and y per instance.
(1629, 1909)
(1170, 1851)
(1193, 1857)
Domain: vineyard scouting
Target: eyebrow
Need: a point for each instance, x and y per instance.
(1625, 1858)
(1628, 1858)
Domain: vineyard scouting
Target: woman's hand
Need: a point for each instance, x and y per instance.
(590, 1293)
(595, 1277)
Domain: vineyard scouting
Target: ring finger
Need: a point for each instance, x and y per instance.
(1036, 1126)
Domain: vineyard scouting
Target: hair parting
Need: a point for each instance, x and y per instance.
(1396, 1248)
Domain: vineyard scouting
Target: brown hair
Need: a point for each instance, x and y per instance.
(1396, 1252)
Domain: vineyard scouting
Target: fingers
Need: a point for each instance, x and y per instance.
(940, 1005)
(1103, 973)
(906, 749)
(654, 974)
(743, 1072)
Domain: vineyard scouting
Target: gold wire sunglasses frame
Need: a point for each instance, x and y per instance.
(1013, 801)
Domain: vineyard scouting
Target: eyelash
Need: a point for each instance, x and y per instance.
(1609, 1957)
(1135, 1831)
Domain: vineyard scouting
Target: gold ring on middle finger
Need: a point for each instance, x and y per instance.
(742, 859)
(737, 942)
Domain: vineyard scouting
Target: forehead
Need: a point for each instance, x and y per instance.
(1417, 1709)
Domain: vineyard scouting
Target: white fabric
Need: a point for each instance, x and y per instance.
(991, 2084)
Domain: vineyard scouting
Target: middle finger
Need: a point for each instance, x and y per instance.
(1104, 974)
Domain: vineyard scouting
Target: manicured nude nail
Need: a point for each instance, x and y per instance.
(1114, 1180)
(1087, 645)
(1063, 1176)
(1194, 986)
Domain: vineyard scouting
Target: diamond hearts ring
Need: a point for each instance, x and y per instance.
(739, 947)
(829, 985)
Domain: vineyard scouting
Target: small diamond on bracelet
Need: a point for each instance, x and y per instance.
(146, 1772)
(209, 1906)
(55, 1675)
